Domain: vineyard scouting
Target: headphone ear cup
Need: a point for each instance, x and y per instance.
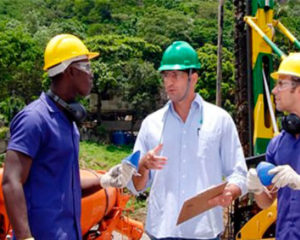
(78, 112)
(291, 123)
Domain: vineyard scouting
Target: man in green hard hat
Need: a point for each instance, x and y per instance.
(187, 146)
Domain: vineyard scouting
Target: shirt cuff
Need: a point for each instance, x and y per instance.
(239, 181)
(132, 188)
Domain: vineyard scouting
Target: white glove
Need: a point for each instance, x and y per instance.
(118, 176)
(285, 176)
(127, 171)
(253, 182)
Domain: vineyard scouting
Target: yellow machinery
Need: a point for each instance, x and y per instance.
(259, 224)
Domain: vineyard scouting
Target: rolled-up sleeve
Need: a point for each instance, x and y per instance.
(140, 144)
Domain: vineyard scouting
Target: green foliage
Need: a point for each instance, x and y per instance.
(11, 106)
(161, 26)
(141, 83)
(206, 85)
(20, 62)
(130, 35)
(3, 132)
(125, 68)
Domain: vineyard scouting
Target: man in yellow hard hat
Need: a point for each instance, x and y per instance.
(284, 152)
(41, 183)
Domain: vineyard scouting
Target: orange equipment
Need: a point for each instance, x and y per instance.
(101, 214)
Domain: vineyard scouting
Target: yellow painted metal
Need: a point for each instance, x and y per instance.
(255, 228)
(264, 25)
(284, 30)
(261, 130)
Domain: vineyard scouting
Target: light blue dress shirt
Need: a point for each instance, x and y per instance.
(200, 151)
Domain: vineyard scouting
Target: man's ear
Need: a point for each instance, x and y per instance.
(195, 77)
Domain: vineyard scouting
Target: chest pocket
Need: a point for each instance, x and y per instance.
(208, 143)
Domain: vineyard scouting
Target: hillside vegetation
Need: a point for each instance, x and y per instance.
(130, 36)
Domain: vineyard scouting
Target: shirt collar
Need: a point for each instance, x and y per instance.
(51, 106)
(197, 103)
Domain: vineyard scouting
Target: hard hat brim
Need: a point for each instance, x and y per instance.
(92, 55)
(178, 67)
(275, 75)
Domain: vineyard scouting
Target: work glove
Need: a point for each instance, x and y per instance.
(127, 171)
(285, 176)
(253, 183)
(118, 176)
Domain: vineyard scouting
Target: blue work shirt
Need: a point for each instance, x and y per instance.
(284, 149)
(200, 151)
(52, 189)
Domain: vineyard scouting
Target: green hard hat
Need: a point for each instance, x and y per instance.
(179, 56)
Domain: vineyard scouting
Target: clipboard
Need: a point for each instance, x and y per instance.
(199, 203)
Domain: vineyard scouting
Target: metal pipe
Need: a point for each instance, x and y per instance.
(252, 24)
(287, 33)
(272, 114)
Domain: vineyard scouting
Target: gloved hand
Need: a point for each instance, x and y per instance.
(253, 183)
(118, 176)
(285, 176)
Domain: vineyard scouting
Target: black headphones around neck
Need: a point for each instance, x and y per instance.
(291, 123)
(75, 110)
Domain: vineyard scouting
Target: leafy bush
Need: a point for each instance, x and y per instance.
(10, 106)
(3, 132)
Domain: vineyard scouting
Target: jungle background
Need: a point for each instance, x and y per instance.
(131, 36)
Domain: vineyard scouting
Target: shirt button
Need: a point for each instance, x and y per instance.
(184, 146)
(184, 132)
(183, 176)
(182, 192)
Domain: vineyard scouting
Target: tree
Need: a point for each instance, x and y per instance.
(206, 85)
(20, 62)
(124, 69)
(163, 26)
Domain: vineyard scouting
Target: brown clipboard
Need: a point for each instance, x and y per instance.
(199, 204)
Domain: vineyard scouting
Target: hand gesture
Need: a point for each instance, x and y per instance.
(152, 160)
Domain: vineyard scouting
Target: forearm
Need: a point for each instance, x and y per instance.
(90, 185)
(140, 181)
(234, 190)
(264, 200)
(16, 209)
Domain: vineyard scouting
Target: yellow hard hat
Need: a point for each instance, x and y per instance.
(65, 47)
(289, 66)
